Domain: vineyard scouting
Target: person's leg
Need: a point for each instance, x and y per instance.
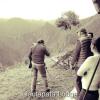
(46, 84)
(81, 95)
(78, 85)
(35, 71)
(42, 71)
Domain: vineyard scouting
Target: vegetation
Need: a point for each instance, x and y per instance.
(67, 20)
(17, 36)
(15, 83)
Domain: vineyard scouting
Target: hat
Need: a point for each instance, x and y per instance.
(83, 30)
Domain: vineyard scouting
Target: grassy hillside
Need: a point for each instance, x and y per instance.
(94, 25)
(17, 35)
(15, 83)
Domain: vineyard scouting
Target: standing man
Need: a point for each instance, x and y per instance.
(37, 54)
(81, 52)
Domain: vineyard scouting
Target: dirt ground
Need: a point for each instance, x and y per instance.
(15, 83)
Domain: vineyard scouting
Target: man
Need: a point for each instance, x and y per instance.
(81, 52)
(37, 54)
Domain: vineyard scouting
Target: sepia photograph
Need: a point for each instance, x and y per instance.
(49, 49)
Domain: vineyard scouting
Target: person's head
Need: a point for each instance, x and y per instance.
(82, 32)
(95, 45)
(40, 42)
(90, 34)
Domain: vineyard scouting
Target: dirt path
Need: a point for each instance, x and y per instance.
(15, 83)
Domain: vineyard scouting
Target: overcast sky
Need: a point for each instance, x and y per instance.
(45, 9)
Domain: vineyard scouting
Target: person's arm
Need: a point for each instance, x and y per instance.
(76, 53)
(31, 50)
(30, 58)
(47, 52)
(30, 55)
(83, 70)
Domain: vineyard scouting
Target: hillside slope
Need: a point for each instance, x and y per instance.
(17, 36)
(93, 25)
(15, 83)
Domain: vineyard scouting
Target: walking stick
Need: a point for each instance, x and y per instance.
(91, 79)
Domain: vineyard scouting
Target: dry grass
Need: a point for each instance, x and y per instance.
(15, 83)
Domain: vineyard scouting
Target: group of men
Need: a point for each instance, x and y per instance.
(85, 59)
(80, 54)
(86, 62)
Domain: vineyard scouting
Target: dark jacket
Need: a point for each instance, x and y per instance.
(82, 51)
(38, 53)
